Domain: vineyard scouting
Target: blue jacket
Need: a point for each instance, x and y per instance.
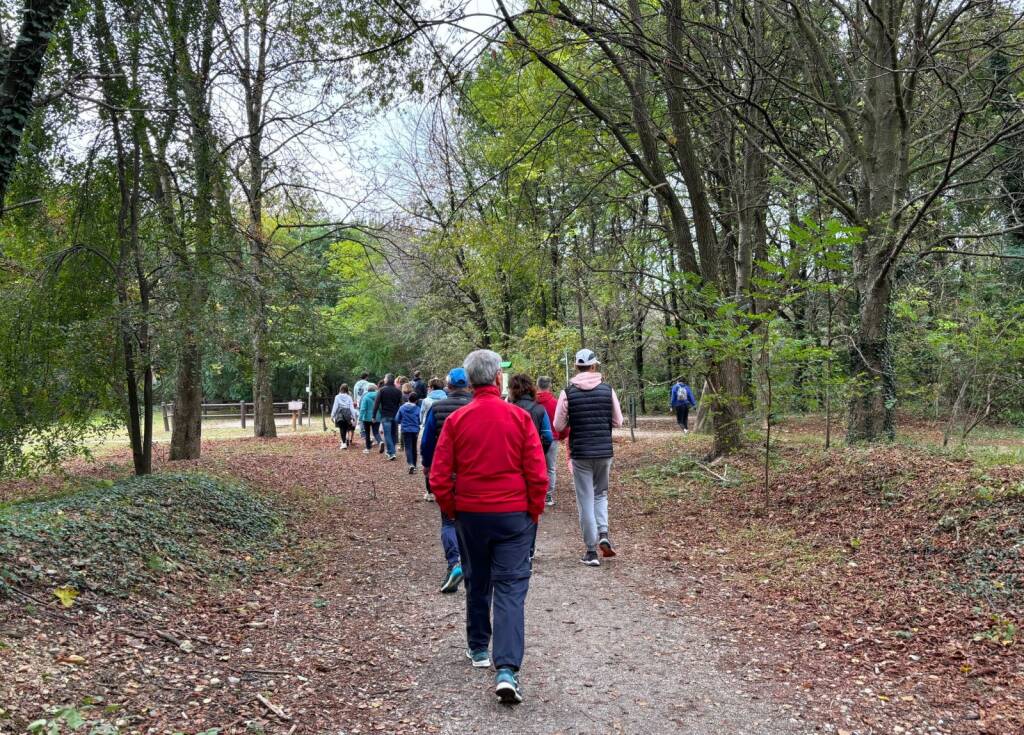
(366, 407)
(434, 395)
(408, 418)
(682, 395)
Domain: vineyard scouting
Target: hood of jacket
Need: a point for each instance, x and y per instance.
(586, 381)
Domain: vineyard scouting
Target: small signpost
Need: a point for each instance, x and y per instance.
(296, 408)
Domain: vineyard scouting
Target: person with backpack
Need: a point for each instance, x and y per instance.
(369, 419)
(343, 414)
(408, 418)
(682, 402)
(389, 400)
(458, 396)
(488, 475)
(590, 409)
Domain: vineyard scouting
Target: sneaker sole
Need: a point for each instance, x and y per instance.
(594, 563)
(449, 587)
(479, 664)
(607, 551)
(508, 694)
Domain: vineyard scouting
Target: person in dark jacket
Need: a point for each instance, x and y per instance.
(682, 402)
(419, 386)
(590, 409)
(408, 419)
(488, 473)
(458, 396)
(522, 393)
(389, 400)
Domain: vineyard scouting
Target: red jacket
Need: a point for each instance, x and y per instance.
(547, 399)
(489, 459)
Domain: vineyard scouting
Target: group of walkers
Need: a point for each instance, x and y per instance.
(491, 466)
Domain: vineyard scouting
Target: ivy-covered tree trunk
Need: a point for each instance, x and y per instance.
(20, 67)
(872, 414)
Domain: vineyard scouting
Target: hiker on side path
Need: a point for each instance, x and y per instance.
(389, 400)
(408, 418)
(369, 419)
(682, 402)
(590, 408)
(343, 414)
(458, 396)
(488, 473)
(547, 399)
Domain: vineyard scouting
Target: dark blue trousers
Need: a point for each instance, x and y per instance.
(496, 563)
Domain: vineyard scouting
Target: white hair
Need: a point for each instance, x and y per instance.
(482, 367)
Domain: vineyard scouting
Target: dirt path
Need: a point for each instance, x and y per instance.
(600, 656)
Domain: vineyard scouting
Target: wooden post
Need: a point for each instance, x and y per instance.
(632, 417)
(241, 412)
(163, 409)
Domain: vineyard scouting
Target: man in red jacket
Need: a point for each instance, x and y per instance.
(488, 473)
(547, 399)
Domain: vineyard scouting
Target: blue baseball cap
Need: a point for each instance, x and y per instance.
(457, 378)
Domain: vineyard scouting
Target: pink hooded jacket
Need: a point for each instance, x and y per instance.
(584, 381)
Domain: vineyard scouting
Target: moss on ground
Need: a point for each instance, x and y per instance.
(114, 538)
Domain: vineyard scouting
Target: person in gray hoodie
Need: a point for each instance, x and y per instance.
(590, 409)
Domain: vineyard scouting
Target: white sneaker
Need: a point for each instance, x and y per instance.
(429, 497)
(344, 445)
(686, 431)
(366, 451)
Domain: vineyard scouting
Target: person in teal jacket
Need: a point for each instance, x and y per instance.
(369, 419)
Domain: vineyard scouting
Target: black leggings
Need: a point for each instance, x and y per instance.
(683, 416)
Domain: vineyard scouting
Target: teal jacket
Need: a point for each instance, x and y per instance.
(366, 407)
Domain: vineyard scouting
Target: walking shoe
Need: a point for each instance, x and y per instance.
(506, 686)
(392, 457)
(366, 451)
(549, 500)
(480, 658)
(605, 545)
(686, 431)
(344, 445)
(429, 497)
(590, 559)
(412, 470)
(451, 584)
(382, 448)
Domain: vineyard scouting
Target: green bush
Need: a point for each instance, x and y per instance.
(116, 537)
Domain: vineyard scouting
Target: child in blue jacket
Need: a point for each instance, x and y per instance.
(408, 419)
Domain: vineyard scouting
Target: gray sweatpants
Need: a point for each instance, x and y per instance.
(551, 458)
(590, 476)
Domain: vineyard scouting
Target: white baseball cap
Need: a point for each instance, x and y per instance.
(586, 357)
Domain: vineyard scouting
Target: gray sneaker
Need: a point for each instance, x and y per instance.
(590, 559)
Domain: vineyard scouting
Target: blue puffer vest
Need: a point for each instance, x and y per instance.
(590, 421)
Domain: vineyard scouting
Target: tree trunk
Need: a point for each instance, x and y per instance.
(19, 72)
(873, 403)
(726, 407)
(187, 429)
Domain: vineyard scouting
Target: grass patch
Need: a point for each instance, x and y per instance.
(778, 555)
(117, 537)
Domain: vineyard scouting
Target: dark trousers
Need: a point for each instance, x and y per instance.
(449, 538)
(683, 416)
(371, 433)
(495, 551)
(409, 437)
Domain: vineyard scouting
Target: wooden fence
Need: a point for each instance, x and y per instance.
(240, 411)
